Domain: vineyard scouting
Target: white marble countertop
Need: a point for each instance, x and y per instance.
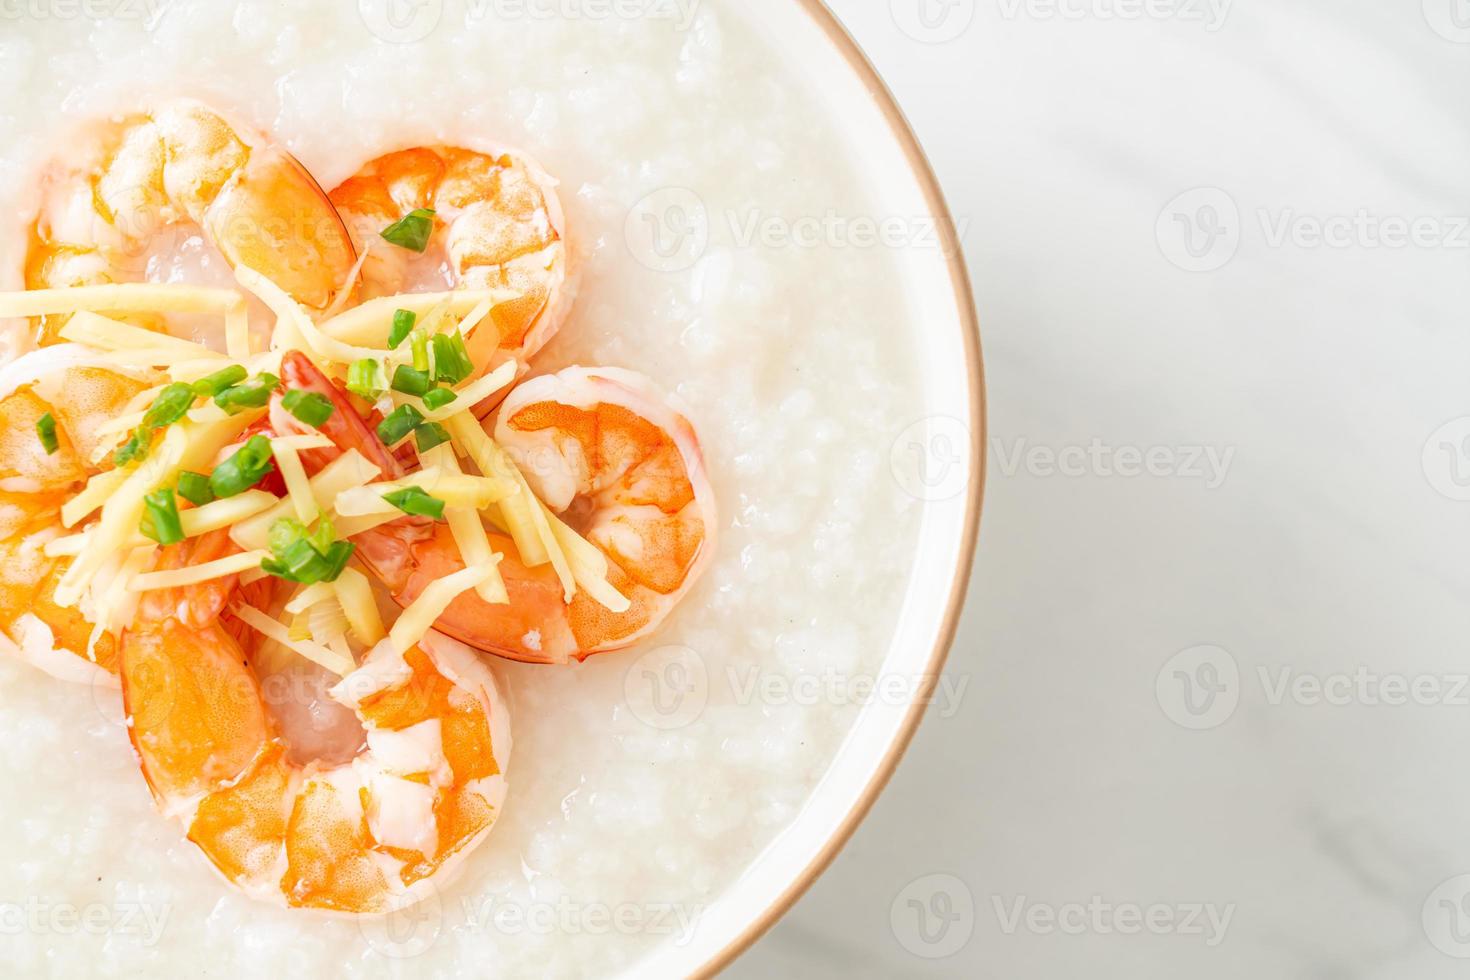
(1218, 707)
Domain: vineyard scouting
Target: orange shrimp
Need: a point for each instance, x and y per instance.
(498, 224)
(602, 448)
(369, 836)
(129, 179)
(79, 391)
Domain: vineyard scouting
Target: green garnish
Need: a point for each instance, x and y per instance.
(217, 382)
(46, 429)
(252, 394)
(438, 398)
(172, 404)
(429, 435)
(194, 487)
(309, 407)
(161, 518)
(420, 343)
(365, 378)
(306, 558)
(451, 360)
(416, 501)
(403, 420)
(412, 231)
(411, 381)
(247, 467)
(403, 321)
(135, 448)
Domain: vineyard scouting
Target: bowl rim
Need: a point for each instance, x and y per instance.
(969, 324)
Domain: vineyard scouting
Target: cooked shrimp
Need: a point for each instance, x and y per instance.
(106, 201)
(498, 225)
(602, 448)
(369, 836)
(68, 383)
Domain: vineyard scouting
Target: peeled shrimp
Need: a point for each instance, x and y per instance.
(80, 393)
(369, 836)
(599, 446)
(498, 225)
(128, 180)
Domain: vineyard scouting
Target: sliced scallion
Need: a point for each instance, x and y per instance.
(46, 430)
(412, 231)
(247, 467)
(309, 407)
(416, 501)
(161, 518)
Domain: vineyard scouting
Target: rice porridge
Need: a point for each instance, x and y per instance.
(702, 191)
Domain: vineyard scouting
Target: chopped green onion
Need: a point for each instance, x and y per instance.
(410, 381)
(365, 378)
(403, 321)
(253, 394)
(247, 467)
(420, 351)
(337, 556)
(324, 535)
(403, 420)
(429, 435)
(172, 404)
(451, 360)
(309, 407)
(46, 429)
(412, 231)
(194, 487)
(285, 532)
(217, 382)
(416, 501)
(135, 448)
(161, 518)
(306, 558)
(438, 398)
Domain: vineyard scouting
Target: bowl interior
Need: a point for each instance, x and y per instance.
(945, 427)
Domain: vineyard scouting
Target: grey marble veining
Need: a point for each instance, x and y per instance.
(1218, 715)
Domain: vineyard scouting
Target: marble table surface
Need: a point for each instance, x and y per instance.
(1219, 699)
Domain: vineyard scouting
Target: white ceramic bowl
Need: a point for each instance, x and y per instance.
(944, 331)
